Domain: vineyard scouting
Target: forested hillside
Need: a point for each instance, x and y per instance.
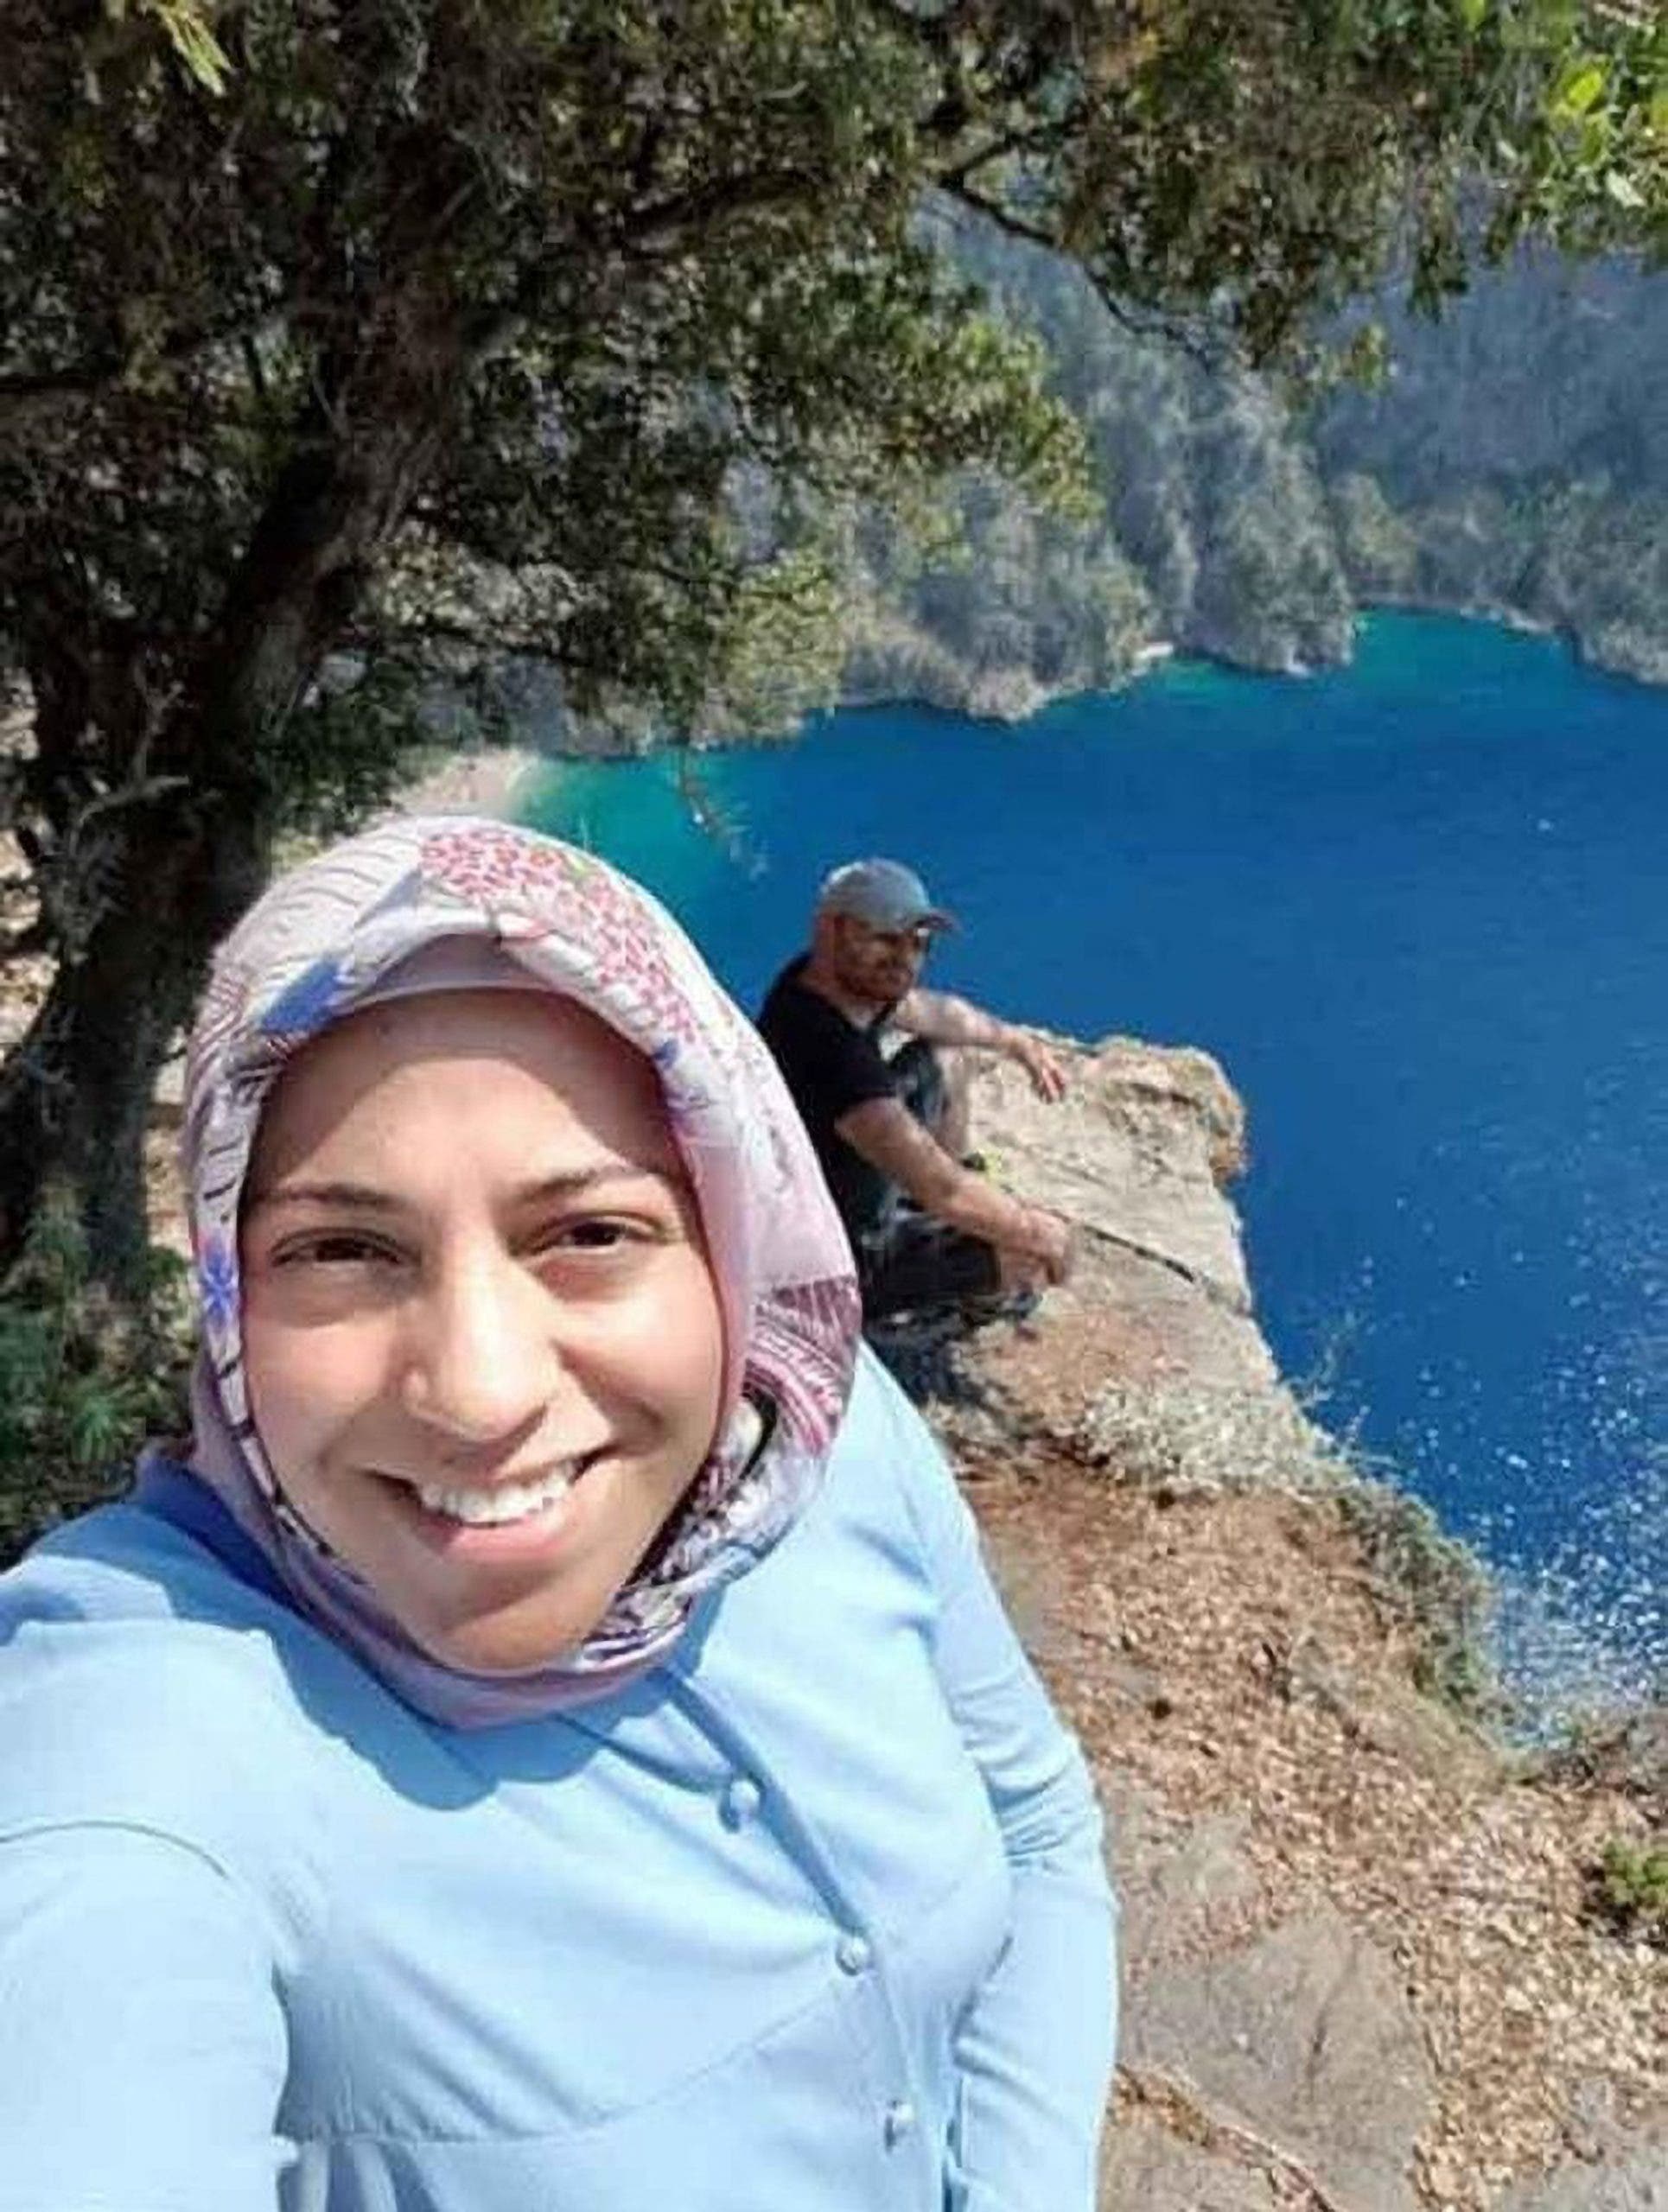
(1515, 459)
(1518, 459)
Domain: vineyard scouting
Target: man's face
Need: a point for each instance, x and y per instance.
(878, 965)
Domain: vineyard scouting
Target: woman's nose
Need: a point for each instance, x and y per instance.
(483, 1361)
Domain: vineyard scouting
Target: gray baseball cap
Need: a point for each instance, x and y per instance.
(885, 894)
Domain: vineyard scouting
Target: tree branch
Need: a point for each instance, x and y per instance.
(396, 640)
(994, 211)
(43, 391)
(1010, 142)
(1195, 337)
(21, 395)
(663, 222)
(28, 944)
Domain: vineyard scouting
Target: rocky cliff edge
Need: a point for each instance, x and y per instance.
(1361, 1969)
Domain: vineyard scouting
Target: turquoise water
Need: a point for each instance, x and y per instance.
(1417, 909)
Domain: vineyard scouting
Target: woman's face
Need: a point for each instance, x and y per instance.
(483, 1342)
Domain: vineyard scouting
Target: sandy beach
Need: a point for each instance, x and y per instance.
(473, 783)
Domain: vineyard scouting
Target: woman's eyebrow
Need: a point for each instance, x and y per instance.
(576, 1182)
(367, 1197)
(362, 1197)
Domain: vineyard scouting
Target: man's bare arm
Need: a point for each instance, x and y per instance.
(888, 1137)
(941, 1018)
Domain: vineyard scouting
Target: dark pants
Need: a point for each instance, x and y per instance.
(909, 1262)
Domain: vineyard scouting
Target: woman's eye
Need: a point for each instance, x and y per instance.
(590, 1235)
(333, 1249)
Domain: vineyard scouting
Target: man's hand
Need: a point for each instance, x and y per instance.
(1049, 1245)
(1045, 1070)
(1036, 1245)
(942, 1018)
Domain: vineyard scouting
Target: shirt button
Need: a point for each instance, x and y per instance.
(853, 1954)
(900, 2118)
(742, 1800)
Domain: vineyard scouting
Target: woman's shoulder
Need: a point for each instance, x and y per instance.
(142, 1683)
(888, 1477)
(882, 1432)
(122, 1578)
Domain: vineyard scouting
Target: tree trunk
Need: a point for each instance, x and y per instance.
(177, 864)
(75, 1093)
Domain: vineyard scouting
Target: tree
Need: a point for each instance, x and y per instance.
(347, 346)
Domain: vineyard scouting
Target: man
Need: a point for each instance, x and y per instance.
(928, 1229)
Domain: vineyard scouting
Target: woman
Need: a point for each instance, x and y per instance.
(551, 1741)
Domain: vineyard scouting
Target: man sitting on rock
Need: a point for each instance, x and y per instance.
(929, 1231)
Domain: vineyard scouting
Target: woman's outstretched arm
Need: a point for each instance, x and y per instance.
(142, 2048)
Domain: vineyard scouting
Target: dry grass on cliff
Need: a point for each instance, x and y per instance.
(1237, 1654)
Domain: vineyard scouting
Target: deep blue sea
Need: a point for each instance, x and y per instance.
(1418, 908)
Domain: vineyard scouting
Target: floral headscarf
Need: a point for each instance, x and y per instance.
(325, 939)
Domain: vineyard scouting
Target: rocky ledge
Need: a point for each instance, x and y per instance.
(1362, 1971)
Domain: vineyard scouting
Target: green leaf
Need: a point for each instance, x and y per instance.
(1622, 189)
(97, 1427)
(189, 33)
(1580, 90)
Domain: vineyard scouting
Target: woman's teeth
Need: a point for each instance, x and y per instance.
(505, 1501)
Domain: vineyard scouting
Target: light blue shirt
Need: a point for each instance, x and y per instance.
(812, 1919)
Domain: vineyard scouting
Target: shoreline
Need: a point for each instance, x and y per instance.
(1161, 652)
(1153, 656)
(479, 781)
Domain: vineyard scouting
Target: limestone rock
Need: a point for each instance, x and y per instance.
(1006, 694)
(1633, 2180)
(1143, 2165)
(1171, 1887)
(1306, 2039)
(1135, 1156)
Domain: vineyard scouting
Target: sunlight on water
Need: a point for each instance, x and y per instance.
(1567, 1650)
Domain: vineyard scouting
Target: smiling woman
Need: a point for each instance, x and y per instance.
(482, 1372)
(548, 1738)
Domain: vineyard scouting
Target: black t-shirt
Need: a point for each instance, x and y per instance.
(830, 1065)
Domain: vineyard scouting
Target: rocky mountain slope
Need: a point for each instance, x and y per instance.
(1514, 461)
(1517, 460)
(1361, 1969)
